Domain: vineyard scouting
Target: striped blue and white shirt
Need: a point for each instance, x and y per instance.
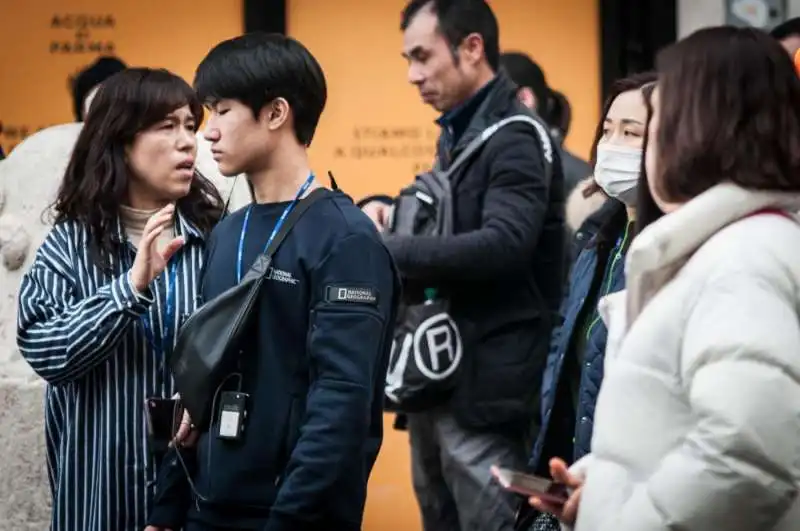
(80, 328)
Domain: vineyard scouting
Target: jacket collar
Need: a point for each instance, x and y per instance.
(492, 105)
(661, 250)
(459, 117)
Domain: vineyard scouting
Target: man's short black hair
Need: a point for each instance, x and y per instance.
(458, 19)
(91, 76)
(258, 68)
(526, 73)
(790, 28)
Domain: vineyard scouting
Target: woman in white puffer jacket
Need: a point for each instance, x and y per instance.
(697, 426)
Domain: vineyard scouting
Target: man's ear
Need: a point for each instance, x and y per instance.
(275, 113)
(472, 48)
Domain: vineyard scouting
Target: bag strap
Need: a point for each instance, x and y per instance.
(261, 266)
(486, 134)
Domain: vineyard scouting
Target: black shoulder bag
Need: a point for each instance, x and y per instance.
(210, 341)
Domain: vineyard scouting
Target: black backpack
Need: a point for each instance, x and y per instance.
(427, 348)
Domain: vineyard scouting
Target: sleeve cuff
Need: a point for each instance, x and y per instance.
(127, 297)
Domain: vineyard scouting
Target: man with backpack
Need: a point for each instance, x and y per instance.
(490, 261)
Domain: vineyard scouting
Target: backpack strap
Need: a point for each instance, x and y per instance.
(486, 134)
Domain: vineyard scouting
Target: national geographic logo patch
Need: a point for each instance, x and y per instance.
(351, 294)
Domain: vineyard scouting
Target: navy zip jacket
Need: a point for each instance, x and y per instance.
(314, 373)
(574, 369)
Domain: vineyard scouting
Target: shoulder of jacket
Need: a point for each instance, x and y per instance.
(756, 247)
(65, 231)
(511, 141)
(342, 221)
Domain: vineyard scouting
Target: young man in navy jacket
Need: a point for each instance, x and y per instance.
(315, 368)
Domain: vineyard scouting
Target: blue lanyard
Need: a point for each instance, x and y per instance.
(164, 344)
(240, 254)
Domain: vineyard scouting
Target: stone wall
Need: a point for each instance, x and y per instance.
(29, 180)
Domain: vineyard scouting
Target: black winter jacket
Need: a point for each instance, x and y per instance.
(502, 270)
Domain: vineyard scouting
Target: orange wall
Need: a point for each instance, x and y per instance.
(375, 132)
(175, 34)
(373, 135)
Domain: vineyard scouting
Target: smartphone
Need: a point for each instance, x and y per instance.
(528, 485)
(163, 416)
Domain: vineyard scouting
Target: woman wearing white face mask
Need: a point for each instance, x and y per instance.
(697, 426)
(575, 362)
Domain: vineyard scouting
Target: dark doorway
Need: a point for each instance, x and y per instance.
(631, 33)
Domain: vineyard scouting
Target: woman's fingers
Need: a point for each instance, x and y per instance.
(172, 248)
(183, 431)
(561, 474)
(570, 511)
(191, 438)
(156, 225)
(159, 219)
(546, 507)
(186, 435)
(148, 241)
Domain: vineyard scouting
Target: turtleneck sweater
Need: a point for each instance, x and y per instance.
(134, 220)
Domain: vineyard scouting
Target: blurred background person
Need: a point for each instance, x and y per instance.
(552, 107)
(87, 81)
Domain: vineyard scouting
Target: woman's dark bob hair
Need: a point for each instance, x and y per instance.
(729, 111)
(96, 179)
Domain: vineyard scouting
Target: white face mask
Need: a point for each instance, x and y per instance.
(617, 171)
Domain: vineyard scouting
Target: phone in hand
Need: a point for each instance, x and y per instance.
(528, 485)
(163, 416)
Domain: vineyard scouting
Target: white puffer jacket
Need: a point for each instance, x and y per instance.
(697, 426)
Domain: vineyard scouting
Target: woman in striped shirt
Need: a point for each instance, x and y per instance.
(109, 287)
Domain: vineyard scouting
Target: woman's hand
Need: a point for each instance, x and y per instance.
(149, 262)
(568, 512)
(187, 434)
(379, 213)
